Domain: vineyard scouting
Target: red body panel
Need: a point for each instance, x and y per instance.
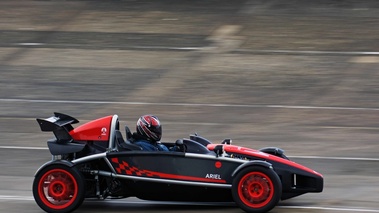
(96, 130)
(262, 155)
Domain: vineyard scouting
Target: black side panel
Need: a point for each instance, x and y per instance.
(64, 148)
(296, 182)
(172, 192)
(173, 166)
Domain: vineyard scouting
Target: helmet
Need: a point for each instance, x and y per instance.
(149, 127)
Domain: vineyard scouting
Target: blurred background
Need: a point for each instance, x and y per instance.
(295, 74)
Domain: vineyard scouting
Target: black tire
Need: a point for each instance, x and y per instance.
(58, 188)
(256, 189)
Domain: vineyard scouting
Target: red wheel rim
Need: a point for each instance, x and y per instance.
(57, 189)
(255, 189)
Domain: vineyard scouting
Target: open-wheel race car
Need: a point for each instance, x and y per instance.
(93, 160)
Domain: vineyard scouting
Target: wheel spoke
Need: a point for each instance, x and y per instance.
(58, 189)
(256, 189)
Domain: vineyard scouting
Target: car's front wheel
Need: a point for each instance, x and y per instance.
(256, 189)
(58, 188)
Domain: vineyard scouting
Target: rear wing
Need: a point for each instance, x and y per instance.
(60, 125)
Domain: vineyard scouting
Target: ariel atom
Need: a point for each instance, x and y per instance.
(94, 160)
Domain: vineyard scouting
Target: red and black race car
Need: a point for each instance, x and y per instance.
(95, 161)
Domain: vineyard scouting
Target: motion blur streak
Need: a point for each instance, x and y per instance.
(30, 198)
(188, 104)
(329, 208)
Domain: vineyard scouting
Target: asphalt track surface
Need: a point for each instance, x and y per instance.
(300, 75)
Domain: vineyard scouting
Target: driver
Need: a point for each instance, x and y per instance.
(149, 133)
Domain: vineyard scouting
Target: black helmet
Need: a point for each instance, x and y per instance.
(149, 127)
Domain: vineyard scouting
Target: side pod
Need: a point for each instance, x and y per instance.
(64, 148)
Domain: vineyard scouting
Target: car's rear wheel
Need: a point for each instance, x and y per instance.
(58, 188)
(256, 189)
